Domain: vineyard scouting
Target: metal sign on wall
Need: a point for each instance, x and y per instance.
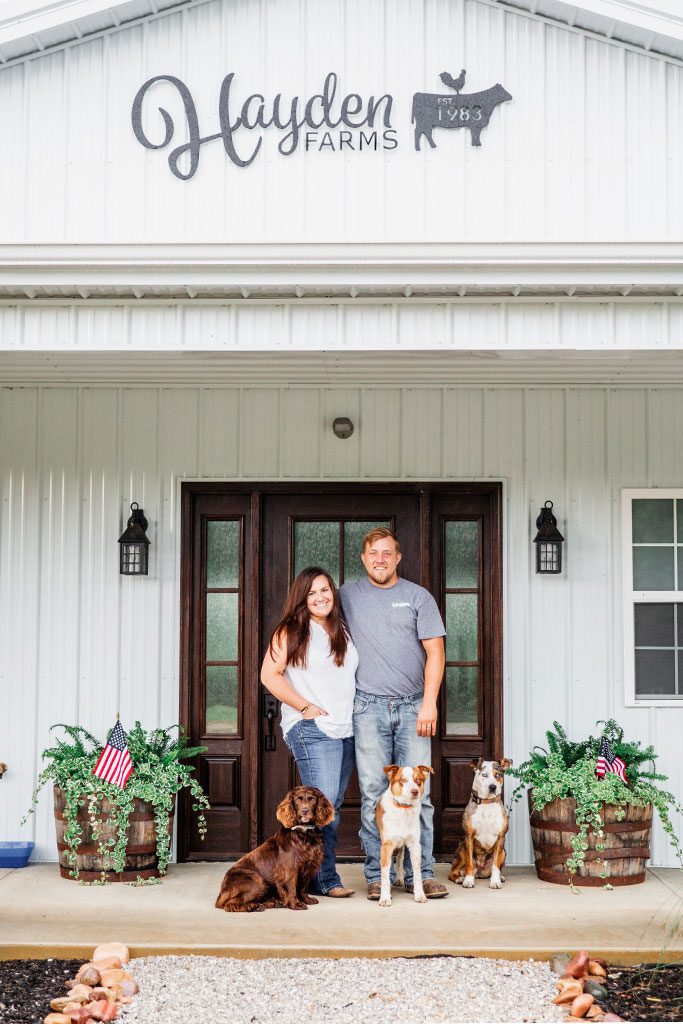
(324, 122)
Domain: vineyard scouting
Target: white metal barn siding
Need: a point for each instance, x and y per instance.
(78, 642)
(590, 147)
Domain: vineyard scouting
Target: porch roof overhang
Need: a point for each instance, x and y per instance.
(31, 27)
(314, 272)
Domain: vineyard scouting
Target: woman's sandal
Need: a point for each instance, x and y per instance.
(338, 892)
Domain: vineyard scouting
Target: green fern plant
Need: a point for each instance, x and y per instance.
(159, 773)
(567, 769)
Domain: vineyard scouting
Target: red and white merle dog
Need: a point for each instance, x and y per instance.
(481, 854)
(398, 821)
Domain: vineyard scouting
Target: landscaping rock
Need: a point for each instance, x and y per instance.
(88, 975)
(559, 962)
(578, 965)
(112, 949)
(582, 1005)
(595, 988)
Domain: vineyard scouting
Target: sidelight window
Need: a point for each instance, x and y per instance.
(462, 599)
(653, 596)
(222, 636)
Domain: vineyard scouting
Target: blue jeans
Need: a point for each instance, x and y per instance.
(326, 763)
(385, 731)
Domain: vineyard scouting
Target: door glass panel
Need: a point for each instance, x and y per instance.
(461, 701)
(653, 521)
(354, 532)
(221, 627)
(461, 627)
(653, 568)
(222, 558)
(462, 555)
(317, 543)
(222, 610)
(221, 699)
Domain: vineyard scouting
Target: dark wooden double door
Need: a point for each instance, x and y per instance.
(241, 548)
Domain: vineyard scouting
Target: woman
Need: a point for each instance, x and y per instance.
(310, 666)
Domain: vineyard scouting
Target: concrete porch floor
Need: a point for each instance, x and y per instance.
(43, 915)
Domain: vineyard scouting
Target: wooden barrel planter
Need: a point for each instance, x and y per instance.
(627, 844)
(141, 856)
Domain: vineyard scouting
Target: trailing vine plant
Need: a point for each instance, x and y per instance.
(567, 769)
(159, 772)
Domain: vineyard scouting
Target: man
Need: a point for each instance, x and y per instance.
(398, 631)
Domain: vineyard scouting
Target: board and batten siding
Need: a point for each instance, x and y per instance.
(589, 147)
(79, 642)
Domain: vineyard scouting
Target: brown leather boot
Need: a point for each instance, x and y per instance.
(374, 890)
(433, 890)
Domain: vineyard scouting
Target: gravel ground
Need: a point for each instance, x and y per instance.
(211, 990)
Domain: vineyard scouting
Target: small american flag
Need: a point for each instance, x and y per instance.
(114, 763)
(609, 762)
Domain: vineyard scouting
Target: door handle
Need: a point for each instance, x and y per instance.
(270, 709)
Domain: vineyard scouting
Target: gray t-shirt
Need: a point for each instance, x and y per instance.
(387, 627)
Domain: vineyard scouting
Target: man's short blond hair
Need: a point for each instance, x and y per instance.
(380, 533)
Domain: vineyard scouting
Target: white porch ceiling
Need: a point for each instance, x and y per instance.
(342, 369)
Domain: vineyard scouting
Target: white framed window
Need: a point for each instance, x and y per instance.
(653, 596)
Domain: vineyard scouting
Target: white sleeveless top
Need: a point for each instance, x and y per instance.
(326, 684)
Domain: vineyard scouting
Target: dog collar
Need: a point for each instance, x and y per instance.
(399, 804)
(489, 800)
(302, 828)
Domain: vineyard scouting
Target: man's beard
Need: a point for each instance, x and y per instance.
(380, 575)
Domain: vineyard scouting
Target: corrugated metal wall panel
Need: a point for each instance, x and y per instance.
(353, 324)
(79, 642)
(589, 146)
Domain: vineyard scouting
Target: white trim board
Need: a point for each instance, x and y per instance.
(282, 270)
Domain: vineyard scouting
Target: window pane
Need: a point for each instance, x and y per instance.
(221, 699)
(462, 563)
(317, 544)
(653, 568)
(222, 554)
(353, 545)
(653, 520)
(679, 515)
(221, 627)
(679, 585)
(461, 627)
(461, 701)
(654, 673)
(654, 625)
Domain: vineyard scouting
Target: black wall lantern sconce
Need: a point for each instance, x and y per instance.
(134, 544)
(548, 542)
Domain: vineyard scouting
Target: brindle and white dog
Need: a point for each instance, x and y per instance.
(481, 854)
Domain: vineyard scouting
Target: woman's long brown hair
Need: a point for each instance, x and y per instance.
(294, 628)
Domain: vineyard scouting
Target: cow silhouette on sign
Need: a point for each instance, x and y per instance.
(438, 110)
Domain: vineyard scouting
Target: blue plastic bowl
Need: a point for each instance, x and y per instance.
(15, 855)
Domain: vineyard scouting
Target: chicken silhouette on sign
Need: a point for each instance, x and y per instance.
(469, 110)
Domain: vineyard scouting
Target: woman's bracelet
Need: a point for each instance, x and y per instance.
(305, 707)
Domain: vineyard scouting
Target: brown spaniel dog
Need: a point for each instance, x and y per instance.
(278, 872)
